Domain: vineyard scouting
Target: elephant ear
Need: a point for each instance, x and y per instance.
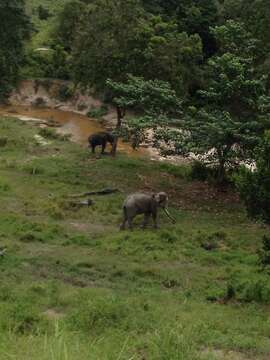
(162, 198)
(157, 198)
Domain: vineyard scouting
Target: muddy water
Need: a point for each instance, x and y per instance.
(79, 126)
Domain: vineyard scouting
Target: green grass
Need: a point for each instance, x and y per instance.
(73, 285)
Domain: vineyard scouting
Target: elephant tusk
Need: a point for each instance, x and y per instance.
(169, 215)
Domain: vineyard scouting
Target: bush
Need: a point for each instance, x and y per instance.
(43, 14)
(257, 291)
(47, 133)
(39, 102)
(199, 171)
(98, 314)
(254, 187)
(211, 241)
(3, 141)
(97, 112)
(20, 317)
(65, 92)
(264, 253)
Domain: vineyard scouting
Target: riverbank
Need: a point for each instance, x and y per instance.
(43, 99)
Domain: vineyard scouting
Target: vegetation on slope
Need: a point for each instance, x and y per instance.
(73, 285)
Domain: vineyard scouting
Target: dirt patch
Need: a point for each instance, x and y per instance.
(228, 355)
(202, 194)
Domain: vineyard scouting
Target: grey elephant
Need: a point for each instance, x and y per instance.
(100, 138)
(147, 204)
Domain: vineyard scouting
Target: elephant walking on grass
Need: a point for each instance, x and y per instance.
(100, 139)
(147, 204)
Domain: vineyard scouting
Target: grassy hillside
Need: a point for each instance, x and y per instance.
(74, 286)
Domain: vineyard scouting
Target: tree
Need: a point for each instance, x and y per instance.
(43, 13)
(254, 187)
(152, 101)
(106, 42)
(192, 17)
(170, 55)
(149, 47)
(68, 21)
(234, 108)
(14, 29)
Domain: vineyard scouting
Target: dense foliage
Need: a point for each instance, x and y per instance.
(255, 186)
(232, 111)
(14, 29)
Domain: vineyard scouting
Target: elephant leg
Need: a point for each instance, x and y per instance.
(103, 148)
(145, 220)
(123, 225)
(130, 225)
(154, 216)
(93, 149)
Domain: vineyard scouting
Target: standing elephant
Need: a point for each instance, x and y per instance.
(100, 138)
(146, 204)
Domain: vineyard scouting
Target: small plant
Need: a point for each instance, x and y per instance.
(65, 92)
(199, 171)
(257, 290)
(20, 317)
(211, 241)
(48, 133)
(264, 253)
(254, 187)
(3, 141)
(99, 314)
(39, 102)
(97, 112)
(43, 13)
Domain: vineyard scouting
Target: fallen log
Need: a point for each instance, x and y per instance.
(100, 192)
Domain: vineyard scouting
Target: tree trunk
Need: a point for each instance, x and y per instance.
(120, 116)
(221, 173)
(114, 146)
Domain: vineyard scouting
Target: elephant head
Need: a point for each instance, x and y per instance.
(162, 201)
(110, 138)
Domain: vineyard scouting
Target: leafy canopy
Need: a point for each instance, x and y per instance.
(234, 107)
(14, 29)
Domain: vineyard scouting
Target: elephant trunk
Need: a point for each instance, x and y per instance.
(169, 215)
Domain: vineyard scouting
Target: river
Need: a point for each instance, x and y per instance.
(79, 126)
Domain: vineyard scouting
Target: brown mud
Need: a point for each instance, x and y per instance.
(78, 125)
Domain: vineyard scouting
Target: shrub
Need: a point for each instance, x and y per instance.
(3, 141)
(43, 14)
(254, 187)
(39, 102)
(65, 92)
(264, 253)
(48, 133)
(20, 317)
(199, 171)
(97, 112)
(98, 314)
(211, 241)
(258, 291)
